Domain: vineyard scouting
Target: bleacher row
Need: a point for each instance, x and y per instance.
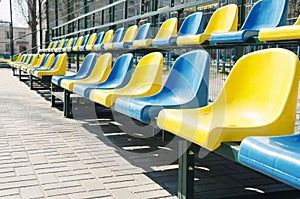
(256, 106)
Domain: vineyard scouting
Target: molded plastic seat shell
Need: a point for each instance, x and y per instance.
(146, 80)
(117, 38)
(82, 44)
(90, 47)
(69, 44)
(224, 19)
(277, 157)
(192, 25)
(58, 67)
(128, 37)
(60, 49)
(167, 29)
(118, 77)
(258, 18)
(106, 39)
(41, 64)
(186, 87)
(291, 32)
(90, 41)
(99, 73)
(78, 43)
(259, 97)
(48, 64)
(83, 72)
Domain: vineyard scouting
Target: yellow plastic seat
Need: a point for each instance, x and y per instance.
(38, 62)
(128, 37)
(91, 41)
(167, 29)
(47, 65)
(61, 44)
(99, 73)
(259, 98)
(224, 19)
(146, 80)
(106, 39)
(24, 62)
(19, 58)
(31, 63)
(57, 68)
(77, 45)
(291, 32)
(70, 41)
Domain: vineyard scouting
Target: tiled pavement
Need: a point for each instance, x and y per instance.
(102, 155)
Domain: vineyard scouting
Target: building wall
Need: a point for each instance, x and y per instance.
(20, 45)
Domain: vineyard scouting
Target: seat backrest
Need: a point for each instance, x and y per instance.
(40, 59)
(118, 35)
(147, 73)
(65, 43)
(92, 39)
(53, 64)
(143, 32)
(69, 43)
(297, 22)
(34, 59)
(130, 34)
(108, 37)
(192, 25)
(99, 38)
(57, 44)
(189, 77)
(19, 58)
(49, 61)
(266, 14)
(74, 41)
(167, 29)
(102, 67)
(50, 45)
(263, 85)
(61, 43)
(224, 19)
(79, 41)
(44, 60)
(85, 40)
(121, 70)
(29, 59)
(87, 65)
(61, 64)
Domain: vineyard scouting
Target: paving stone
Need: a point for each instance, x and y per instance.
(32, 192)
(47, 178)
(21, 171)
(92, 185)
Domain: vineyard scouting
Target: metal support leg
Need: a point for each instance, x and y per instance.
(31, 82)
(298, 51)
(186, 170)
(67, 104)
(52, 95)
(20, 74)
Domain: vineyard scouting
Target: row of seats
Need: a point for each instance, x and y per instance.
(40, 65)
(222, 28)
(259, 97)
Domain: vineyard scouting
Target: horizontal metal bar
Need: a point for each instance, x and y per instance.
(149, 14)
(90, 13)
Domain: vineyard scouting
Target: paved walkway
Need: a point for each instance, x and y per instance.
(43, 155)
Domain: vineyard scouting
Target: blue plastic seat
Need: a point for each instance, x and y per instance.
(69, 49)
(84, 70)
(42, 63)
(192, 25)
(118, 77)
(143, 32)
(117, 38)
(98, 40)
(84, 42)
(263, 14)
(59, 50)
(185, 87)
(277, 157)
